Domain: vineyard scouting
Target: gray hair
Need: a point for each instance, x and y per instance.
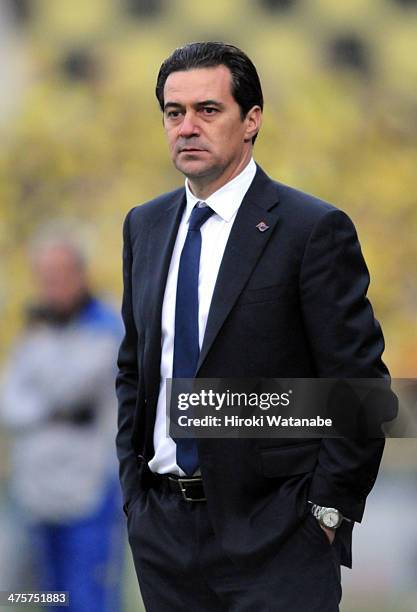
(68, 235)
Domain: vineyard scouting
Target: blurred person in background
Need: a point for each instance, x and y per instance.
(57, 399)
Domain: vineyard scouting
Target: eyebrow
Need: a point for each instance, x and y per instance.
(196, 105)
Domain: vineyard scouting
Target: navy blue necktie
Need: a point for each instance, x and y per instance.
(186, 344)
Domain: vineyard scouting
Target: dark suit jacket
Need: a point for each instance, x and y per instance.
(288, 302)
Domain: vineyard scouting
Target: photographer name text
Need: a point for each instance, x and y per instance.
(267, 420)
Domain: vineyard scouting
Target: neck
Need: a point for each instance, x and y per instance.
(204, 187)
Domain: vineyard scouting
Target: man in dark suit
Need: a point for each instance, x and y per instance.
(237, 276)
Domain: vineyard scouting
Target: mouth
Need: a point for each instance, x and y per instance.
(191, 150)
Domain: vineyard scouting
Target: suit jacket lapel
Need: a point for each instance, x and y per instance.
(244, 247)
(161, 241)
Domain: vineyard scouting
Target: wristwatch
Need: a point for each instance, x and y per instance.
(330, 518)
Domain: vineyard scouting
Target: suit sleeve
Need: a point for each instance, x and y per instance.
(346, 342)
(127, 381)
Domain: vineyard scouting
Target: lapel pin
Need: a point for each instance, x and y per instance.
(262, 226)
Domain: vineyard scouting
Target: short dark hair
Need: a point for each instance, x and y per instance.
(246, 86)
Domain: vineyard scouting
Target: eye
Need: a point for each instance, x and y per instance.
(172, 114)
(209, 110)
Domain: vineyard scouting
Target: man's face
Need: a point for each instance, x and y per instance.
(59, 278)
(203, 124)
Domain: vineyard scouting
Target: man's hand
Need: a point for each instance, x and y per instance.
(330, 533)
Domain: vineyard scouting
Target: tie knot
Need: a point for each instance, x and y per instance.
(199, 216)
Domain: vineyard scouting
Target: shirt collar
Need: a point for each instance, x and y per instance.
(226, 200)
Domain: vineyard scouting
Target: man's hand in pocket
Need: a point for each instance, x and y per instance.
(330, 533)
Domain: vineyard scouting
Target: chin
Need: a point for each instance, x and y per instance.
(193, 168)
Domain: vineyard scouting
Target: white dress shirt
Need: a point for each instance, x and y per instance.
(214, 235)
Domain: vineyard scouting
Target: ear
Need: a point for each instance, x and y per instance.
(253, 122)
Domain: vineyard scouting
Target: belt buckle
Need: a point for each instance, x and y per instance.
(183, 482)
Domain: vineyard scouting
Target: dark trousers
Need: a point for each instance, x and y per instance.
(182, 568)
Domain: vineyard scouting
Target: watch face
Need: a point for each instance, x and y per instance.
(331, 518)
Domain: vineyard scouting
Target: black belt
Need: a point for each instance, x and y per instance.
(191, 489)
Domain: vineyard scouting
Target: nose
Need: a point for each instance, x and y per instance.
(189, 127)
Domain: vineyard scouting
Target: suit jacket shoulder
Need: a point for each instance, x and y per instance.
(148, 212)
(300, 203)
(293, 204)
(300, 214)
